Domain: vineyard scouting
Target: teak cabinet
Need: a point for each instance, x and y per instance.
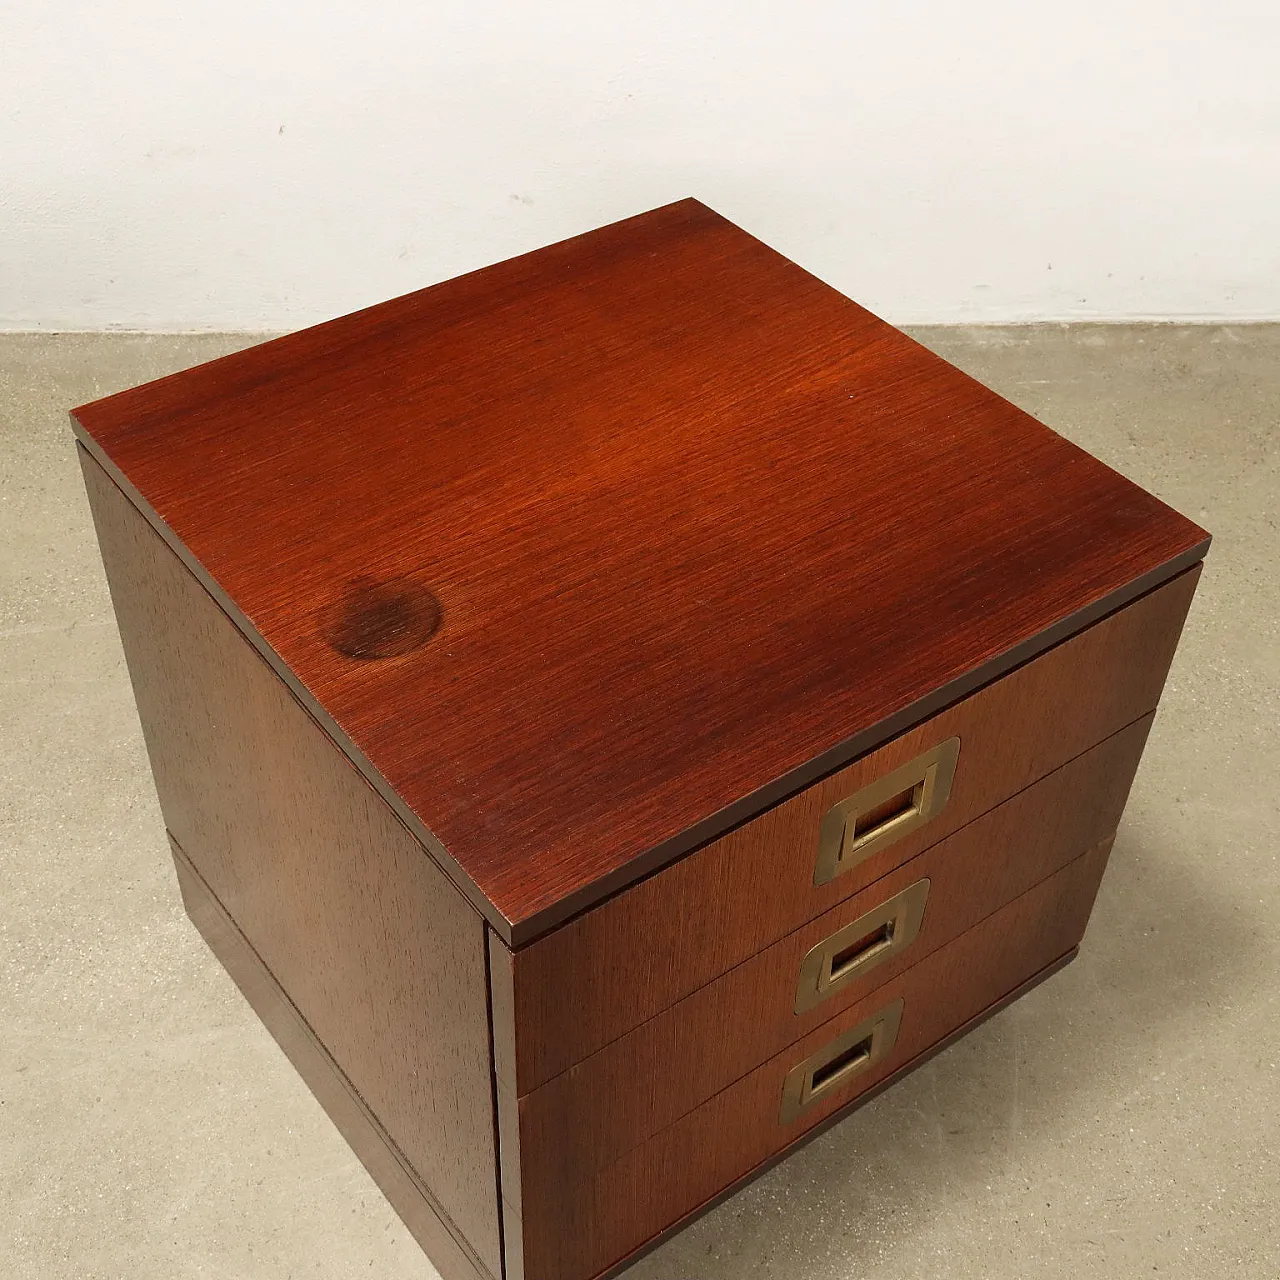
(615, 711)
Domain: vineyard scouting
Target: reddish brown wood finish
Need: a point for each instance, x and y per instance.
(591, 1114)
(378, 952)
(578, 1224)
(836, 1117)
(420, 1211)
(605, 972)
(589, 556)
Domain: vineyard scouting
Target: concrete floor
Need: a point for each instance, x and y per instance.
(1123, 1120)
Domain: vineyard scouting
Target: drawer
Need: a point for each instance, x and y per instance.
(580, 1222)
(622, 963)
(659, 1071)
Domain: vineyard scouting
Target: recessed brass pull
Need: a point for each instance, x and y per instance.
(885, 811)
(870, 940)
(847, 1056)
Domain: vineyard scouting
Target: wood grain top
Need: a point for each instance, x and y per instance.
(589, 555)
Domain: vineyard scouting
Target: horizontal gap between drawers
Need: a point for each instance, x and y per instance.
(782, 1049)
(842, 1113)
(508, 1086)
(946, 1041)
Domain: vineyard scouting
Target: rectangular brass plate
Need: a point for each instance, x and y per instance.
(926, 784)
(889, 929)
(849, 1055)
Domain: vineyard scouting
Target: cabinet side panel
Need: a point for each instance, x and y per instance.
(421, 1213)
(375, 948)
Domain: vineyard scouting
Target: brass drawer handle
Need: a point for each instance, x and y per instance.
(870, 940)
(838, 1062)
(885, 810)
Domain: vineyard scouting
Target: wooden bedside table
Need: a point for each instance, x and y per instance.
(616, 711)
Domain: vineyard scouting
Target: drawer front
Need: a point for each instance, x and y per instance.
(578, 1223)
(624, 962)
(668, 1066)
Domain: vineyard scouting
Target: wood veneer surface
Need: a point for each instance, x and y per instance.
(592, 1113)
(861, 1100)
(588, 556)
(418, 1208)
(609, 970)
(580, 1223)
(378, 951)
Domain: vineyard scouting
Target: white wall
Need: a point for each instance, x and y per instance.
(262, 165)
